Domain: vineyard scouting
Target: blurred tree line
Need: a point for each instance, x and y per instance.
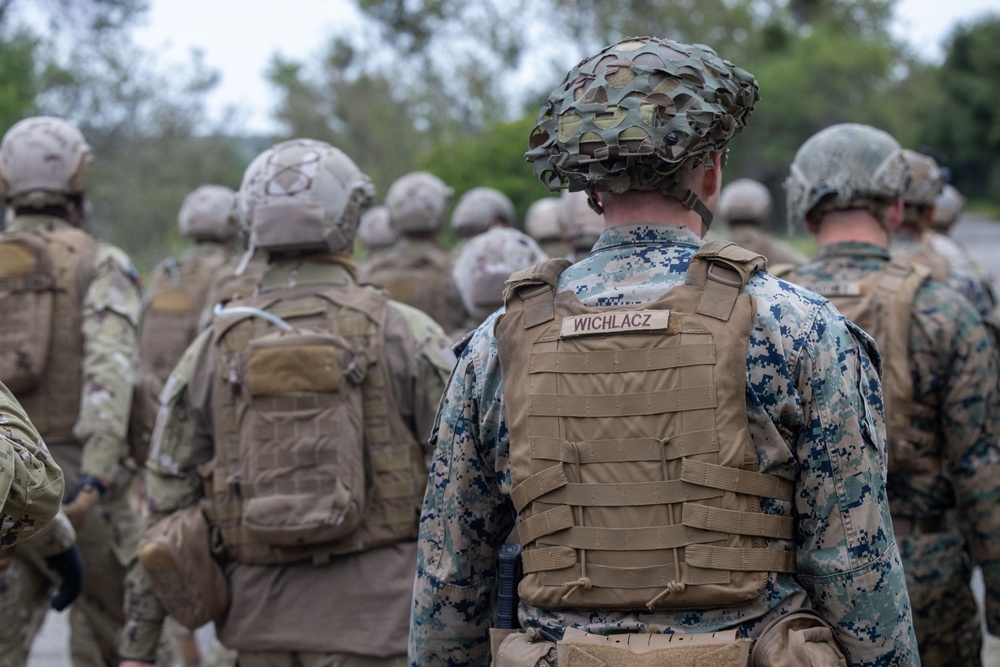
(452, 86)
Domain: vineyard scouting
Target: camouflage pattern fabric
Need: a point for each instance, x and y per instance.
(774, 249)
(31, 483)
(107, 541)
(815, 416)
(952, 361)
(420, 363)
(906, 244)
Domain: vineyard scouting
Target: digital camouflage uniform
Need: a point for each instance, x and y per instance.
(814, 409)
(305, 603)
(951, 358)
(910, 245)
(110, 309)
(31, 483)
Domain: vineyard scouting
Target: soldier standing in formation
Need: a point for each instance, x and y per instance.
(543, 222)
(745, 206)
(940, 382)
(416, 271)
(77, 382)
(675, 435)
(375, 233)
(478, 211)
(299, 420)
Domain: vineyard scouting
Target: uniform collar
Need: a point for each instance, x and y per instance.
(853, 249)
(645, 234)
(293, 274)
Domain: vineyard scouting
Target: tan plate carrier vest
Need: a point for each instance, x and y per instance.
(176, 297)
(303, 462)
(54, 404)
(420, 280)
(634, 476)
(882, 305)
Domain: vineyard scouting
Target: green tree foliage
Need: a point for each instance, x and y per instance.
(966, 125)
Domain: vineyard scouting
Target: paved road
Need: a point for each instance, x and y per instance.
(982, 237)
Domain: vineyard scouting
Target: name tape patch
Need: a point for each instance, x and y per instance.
(604, 323)
(835, 288)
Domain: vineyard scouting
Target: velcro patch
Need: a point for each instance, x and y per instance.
(293, 369)
(837, 288)
(616, 322)
(172, 301)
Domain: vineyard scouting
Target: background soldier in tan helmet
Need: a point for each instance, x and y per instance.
(376, 233)
(679, 442)
(912, 241)
(77, 328)
(310, 404)
(745, 205)
(175, 298)
(478, 211)
(582, 225)
(416, 271)
(940, 382)
(485, 264)
(543, 222)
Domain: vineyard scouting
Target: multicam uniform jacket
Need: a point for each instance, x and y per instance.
(951, 358)
(304, 603)
(31, 484)
(810, 375)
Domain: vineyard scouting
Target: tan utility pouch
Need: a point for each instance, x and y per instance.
(718, 649)
(177, 555)
(519, 650)
(799, 639)
(27, 304)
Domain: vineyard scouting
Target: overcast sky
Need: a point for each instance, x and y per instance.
(238, 37)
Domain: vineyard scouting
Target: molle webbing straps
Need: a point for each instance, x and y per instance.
(722, 269)
(634, 475)
(536, 288)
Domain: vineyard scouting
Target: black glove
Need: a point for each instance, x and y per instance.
(69, 566)
(86, 482)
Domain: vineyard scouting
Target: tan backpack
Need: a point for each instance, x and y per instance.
(312, 456)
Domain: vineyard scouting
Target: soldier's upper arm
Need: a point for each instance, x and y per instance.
(115, 286)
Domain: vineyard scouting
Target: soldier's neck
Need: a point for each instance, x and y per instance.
(853, 225)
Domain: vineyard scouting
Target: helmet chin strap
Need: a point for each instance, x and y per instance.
(690, 200)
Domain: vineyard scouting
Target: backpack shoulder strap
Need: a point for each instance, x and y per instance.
(721, 269)
(535, 287)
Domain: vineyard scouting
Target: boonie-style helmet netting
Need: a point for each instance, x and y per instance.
(638, 116)
(845, 166)
(303, 195)
(208, 214)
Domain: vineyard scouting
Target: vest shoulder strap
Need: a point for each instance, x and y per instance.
(721, 269)
(536, 288)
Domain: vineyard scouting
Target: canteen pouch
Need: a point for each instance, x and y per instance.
(799, 639)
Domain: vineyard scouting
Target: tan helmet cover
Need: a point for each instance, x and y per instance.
(479, 208)
(947, 207)
(543, 221)
(417, 202)
(848, 163)
(375, 231)
(208, 214)
(303, 194)
(745, 199)
(43, 154)
(485, 264)
(580, 221)
(925, 179)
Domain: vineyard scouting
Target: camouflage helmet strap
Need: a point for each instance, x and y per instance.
(690, 200)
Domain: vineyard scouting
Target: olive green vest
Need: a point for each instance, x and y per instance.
(312, 456)
(882, 305)
(53, 405)
(634, 475)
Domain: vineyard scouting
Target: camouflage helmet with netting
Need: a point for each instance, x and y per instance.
(745, 200)
(925, 179)
(543, 221)
(479, 209)
(209, 214)
(43, 160)
(303, 195)
(947, 207)
(845, 166)
(485, 264)
(375, 231)
(638, 116)
(417, 202)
